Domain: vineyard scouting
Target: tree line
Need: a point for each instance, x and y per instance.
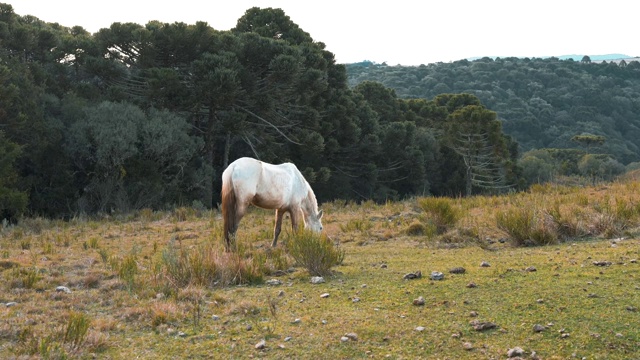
(148, 116)
(543, 103)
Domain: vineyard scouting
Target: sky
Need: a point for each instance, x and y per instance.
(394, 32)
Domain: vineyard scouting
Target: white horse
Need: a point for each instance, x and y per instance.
(281, 187)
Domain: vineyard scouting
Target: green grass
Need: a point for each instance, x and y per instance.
(150, 288)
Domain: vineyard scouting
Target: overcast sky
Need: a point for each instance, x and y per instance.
(395, 32)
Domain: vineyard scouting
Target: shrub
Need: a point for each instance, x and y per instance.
(315, 252)
(443, 215)
(416, 228)
(527, 226)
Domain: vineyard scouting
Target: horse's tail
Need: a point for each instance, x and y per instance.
(228, 208)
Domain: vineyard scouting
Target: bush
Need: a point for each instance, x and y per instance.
(443, 215)
(527, 226)
(315, 252)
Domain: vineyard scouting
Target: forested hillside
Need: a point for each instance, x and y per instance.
(542, 103)
(148, 116)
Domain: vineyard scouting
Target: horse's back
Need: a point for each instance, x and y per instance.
(265, 185)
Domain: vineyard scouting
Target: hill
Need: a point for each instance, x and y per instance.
(605, 57)
(542, 103)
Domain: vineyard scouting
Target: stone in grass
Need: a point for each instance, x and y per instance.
(436, 275)
(351, 336)
(317, 280)
(324, 296)
(63, 289)
(414, 275)
(539, 328)
(515, 352)
(458, 270)
(419, 301)
(482, 325)
(485, 264)
(274, 282)
(261, 345)
(602, 263)
(467, 346)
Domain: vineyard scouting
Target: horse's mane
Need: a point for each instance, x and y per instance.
(310, 200)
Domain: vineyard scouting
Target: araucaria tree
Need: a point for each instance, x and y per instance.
(474, 133)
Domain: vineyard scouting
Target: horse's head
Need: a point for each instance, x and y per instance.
(313, 222)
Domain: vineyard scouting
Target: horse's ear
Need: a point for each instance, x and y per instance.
(319, 214)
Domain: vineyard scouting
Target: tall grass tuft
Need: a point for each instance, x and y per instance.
(24, 278)
(315, 252)
(361, 225)
(272, 260)
(569, 226)
(526, 226)
(442, 214)
(613, 219)
(205, 265)
(127, 269)
(76, 329)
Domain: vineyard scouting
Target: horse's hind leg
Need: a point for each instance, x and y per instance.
(230, 237)
(278, 227)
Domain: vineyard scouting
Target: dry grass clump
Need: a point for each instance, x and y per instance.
(314, 252)
(549, 214)
(440, 213)
(204, 265)
(527, 226)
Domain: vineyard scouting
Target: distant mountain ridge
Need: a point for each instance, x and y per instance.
(575, 57)
(607, 57)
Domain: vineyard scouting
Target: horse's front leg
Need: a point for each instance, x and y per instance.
(295, 219)
(278, 226)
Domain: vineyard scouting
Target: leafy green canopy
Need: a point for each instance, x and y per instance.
(140, 116)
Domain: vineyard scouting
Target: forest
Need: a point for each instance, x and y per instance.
(148, 116)
(542, 103)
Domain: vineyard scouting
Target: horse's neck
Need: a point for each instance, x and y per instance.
(309, 204)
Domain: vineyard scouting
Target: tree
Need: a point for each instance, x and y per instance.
(589, 140)
(474, 133)
(129, 159)
(13, 202)
(271, 23)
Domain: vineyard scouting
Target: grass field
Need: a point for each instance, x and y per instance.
(158, 285)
